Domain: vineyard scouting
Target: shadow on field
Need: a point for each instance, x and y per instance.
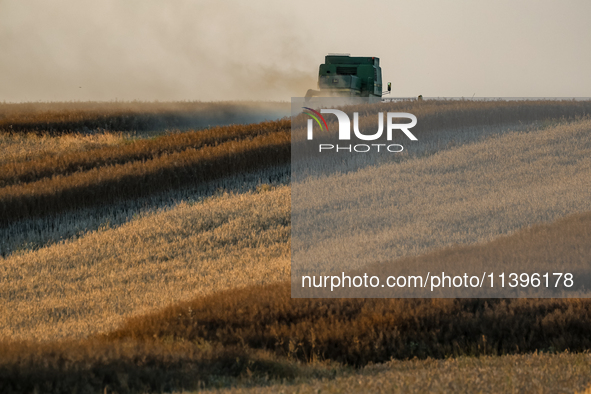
(259, 333)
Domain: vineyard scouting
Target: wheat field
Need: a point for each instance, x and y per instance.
(91, 284)
(188, 281)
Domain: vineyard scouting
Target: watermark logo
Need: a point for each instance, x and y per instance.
(316, 116)
(344, 133)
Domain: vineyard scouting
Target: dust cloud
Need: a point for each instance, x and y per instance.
(68, 50)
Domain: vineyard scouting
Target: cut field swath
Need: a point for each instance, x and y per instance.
(527, 373)
(139, 150)
(75, 117)
(137, 179)
(103, 176)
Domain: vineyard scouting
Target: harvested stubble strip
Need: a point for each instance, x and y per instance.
(72, 121)
(34, 170)
(136, 179)
(67, 117)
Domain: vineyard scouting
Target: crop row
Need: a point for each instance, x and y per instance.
(101, 176)
(108, 184)
(32, 170)
(433, 115)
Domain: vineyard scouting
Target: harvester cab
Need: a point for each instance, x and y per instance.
(344, 76)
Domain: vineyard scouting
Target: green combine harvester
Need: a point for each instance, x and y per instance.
(344, 76)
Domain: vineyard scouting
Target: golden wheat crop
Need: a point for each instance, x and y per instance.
(33, 233)
(449, 112)
(92, 283)
(373, 330)
(444, 114)
(257, 335)
(134, 367)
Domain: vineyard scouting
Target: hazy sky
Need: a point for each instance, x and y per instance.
(268, 49)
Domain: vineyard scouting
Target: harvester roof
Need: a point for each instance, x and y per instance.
(347, 59)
